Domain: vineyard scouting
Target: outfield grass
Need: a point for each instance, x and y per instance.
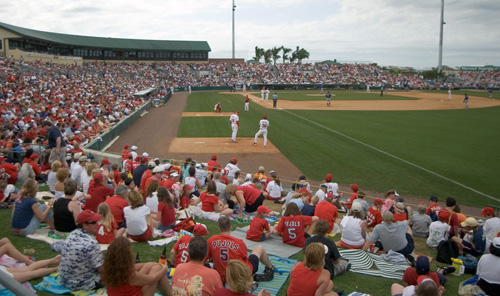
(460, 145)
(315, 95)
(470, 93)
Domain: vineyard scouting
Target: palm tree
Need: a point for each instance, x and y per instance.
(267, 56)
(300, 54)
(259, 52)
(275, 53)
(285, 53)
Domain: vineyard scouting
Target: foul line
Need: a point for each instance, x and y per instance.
(395, 157)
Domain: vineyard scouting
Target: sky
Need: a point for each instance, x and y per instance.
(386, 32)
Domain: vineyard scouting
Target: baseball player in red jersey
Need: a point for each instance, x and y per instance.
(234, 120)
(247, 103)
(223, 247)
(264, 124)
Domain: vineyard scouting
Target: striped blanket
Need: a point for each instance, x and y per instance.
(370, 264)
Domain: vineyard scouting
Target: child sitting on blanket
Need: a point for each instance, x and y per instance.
(107, 227)
(259, 228)
(185, 199)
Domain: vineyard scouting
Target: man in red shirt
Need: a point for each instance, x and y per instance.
(125, 152)
(325, 210)
(116, 204)
(374, 215)
(213, 162)
(453, 222)
(33, 162)
(223, 247)
(146, 175)
(8, 171)
(98, 192)
(433, 208)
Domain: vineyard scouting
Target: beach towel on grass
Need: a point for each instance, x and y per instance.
(273, 245)
(364, 262)
(8, 261)
(283, 266)
(52, 284)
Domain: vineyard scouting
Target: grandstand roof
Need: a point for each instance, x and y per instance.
(103, 42)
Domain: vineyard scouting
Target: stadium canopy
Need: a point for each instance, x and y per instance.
(145, 92)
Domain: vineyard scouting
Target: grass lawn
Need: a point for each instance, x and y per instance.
(471, 93)
(419, 153)
(348, 282)
(315, 95)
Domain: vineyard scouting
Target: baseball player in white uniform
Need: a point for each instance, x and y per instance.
(264, 124)
(234, 120)
(267, 94)
(262, 91)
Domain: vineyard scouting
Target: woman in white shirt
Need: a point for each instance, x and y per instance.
(354, 229)
(138, 217)
(274, 189)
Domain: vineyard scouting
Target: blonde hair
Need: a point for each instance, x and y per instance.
(135, 199)
(107, 218)
(238, 276)
(55, 166)
(230, 188)
(62, 174)
(314, 257)
(30, 188)
(95, 171)
(89, 167)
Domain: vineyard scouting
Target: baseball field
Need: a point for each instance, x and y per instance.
(419, 143)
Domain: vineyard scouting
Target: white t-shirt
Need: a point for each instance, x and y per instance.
(351, 231)
(488, 268)
(191, 181)
(85, 181)
(437, 230)
(136, 219)
(274, 189)
(491, 228)
(321, 195)
(152, 202)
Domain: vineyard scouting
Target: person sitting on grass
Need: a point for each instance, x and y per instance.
(318, 279)
(470, 239)
(107, 228)
(374, 215)
(426, 287)
(239, 281)
(66, 209)
(438, 230)
(293, 227)
(210, 202)
(122, 276)
(333, 262)
(259, 229)
(422, 267)
(354, 229)
(309, 208)
(420, 222)
(28, 213)
(203, 280)
(488, 269)
(33, 270)
(180, 251)
(166, 209)
(138, 217)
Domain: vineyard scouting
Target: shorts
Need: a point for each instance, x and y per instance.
(166, 227)
(257, 203)
(61, 156)
(263, 237)
(143, 237)
(410, 246)
(254, 260)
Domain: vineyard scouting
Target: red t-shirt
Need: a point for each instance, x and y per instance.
(292, 229)
(208, 202)
(213, 163)
(35, 166)
(99, 193)
(125, 154)
(184, 202)
(167, 214)
(373, 217)
(250, 193)
(433, 208)
(257, 228)
(146, 175)
(181, 249)
(168, 183)
(410, 276)
(222, 248)
(399, 217)
(116, 205)
(353, 196)
(127, 289)
(103, 236)
(8, 171)
(326, 211)
(304, 281)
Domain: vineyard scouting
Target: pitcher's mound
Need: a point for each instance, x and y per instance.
(220, 145)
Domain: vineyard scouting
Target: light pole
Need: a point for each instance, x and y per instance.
(234, 7)
(440, 62)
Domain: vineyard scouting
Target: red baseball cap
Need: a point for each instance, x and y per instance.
(263, 209)
(487, 211)
(86, 216)
(214, 157)
(98, 176)
(444, 215)
(126, 146)
(354, 187)
(328, 177)
(234, 160)
(265, 116)
(187, 187)
(105, 161)
(378, 201)
(144, 159)
(34, 156)
(200, 230)
(138, 158)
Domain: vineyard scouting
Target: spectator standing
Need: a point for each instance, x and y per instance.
(56, 143)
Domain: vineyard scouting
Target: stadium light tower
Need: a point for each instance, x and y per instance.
(234, 8)
(440, 62)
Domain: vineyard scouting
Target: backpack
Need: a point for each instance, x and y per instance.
(446, 250)
(186, 224)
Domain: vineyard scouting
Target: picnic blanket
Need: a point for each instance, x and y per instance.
(273, 245)
(364, 262)
(52, 284)
(8, 261)
(283, 267)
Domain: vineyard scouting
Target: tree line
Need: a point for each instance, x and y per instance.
(273, 54)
